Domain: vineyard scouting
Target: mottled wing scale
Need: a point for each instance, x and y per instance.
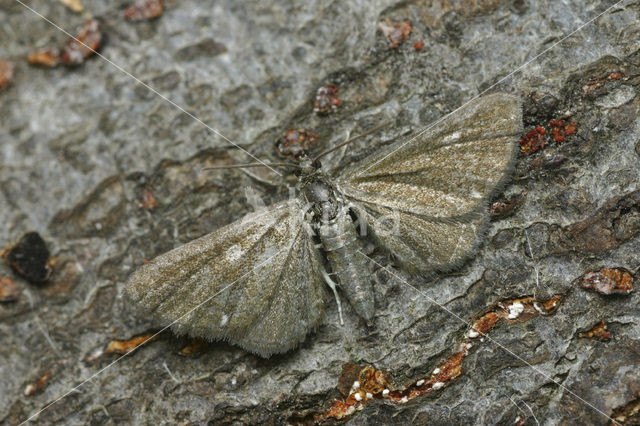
(434, 188)
(276, 293)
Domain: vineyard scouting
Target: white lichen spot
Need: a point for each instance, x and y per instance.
(473, 334)
(358, 397)
(369, 395)
(234, 381)
(29, 389)
(515, 310)
(404, 400)
(438, 385)
(385, 393)
(349, 411)
(436, 370)
(420, 382)
(224, 320)
(355, 386)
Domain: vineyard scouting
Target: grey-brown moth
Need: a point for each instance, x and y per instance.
(260, 282)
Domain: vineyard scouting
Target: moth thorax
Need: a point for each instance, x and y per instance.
(323, 200)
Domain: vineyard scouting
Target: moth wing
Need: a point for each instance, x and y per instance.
(450, 170)
(256, 282)
(425, 200)
(422, 244)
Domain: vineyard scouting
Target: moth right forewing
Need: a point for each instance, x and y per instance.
(450, 169)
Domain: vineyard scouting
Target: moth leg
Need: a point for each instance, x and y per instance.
(332, 284)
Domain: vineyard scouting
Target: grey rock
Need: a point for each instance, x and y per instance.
(79, 149)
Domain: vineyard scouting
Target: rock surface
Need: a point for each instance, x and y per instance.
(108, 173)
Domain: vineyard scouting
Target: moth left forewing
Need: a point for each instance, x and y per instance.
(424, 200)
(275, 293)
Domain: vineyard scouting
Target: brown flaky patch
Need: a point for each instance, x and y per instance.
(9, 291)
(608, 281)
(598, 331)
(126, 346)
(44, 57)
(75, 52)
(371, 384)
(193, 347)
(85, 44)
(39, 384)
(144, 10)
(6, 74)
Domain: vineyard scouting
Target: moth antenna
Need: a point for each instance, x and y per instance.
(241, 166)
(348, 141)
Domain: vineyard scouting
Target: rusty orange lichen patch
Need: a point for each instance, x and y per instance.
(85, 43)
(126, 346)
(561, 129)
(549, 306)
(45, 57)
(395, 32)
(9, 290)
(595, 83)
(6, 74)
(327, 99)
(293, 143)
(598, 331)
(536, 140)
(370, 383)
(376, 384)
(533, 140)
(32, 388)
(608, 281)
(418, 45)
(484, 324)
(193, 347)
(144, 10)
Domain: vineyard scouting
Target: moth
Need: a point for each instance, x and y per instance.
(261, 281)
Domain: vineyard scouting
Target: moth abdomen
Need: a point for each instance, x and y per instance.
(342, 247)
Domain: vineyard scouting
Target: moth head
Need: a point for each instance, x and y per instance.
(307, 165)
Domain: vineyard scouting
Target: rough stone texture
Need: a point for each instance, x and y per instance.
(81, 149)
